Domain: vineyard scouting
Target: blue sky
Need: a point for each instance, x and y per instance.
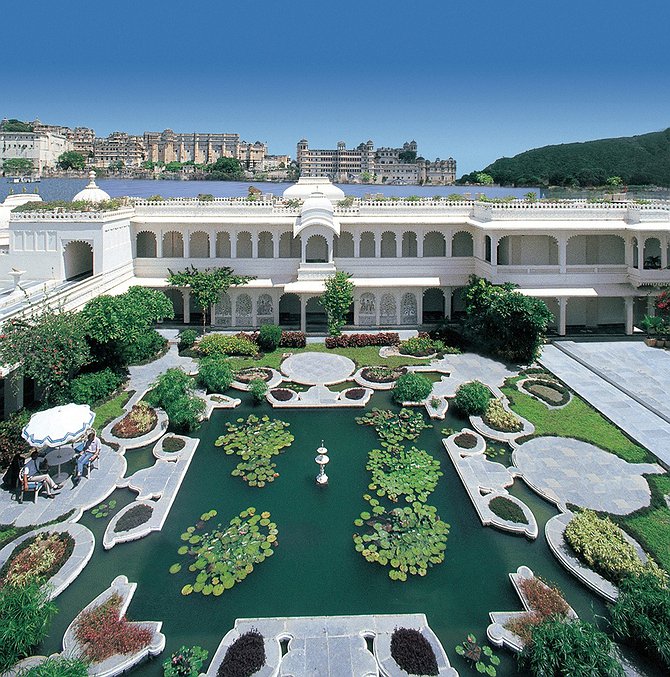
(472, 80)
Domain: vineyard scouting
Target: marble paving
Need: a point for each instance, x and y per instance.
(636, 419)
(566, 470)
(317, 368)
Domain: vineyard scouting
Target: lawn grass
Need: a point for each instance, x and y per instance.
(651, 526)
(363, 357)
(577, 419)
(109, 410)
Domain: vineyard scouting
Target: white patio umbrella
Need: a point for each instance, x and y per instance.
(59, 425)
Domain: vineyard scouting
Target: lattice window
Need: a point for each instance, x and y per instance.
(223, 312)
(387, 310)
(367, 314)
(243, 309)
(408, 309)
(265, 306)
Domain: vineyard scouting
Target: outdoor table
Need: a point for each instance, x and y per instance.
(59, 456)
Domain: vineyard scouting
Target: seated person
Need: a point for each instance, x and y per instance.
(90, 450)
(32, 473)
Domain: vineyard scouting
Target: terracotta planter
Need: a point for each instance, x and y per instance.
(651, 342)
(661, 343)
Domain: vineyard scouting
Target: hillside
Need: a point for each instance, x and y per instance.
(638, 160)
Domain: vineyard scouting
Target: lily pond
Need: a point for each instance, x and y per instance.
(314, 569)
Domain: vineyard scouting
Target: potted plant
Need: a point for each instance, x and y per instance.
(663, 339)
(650, 324)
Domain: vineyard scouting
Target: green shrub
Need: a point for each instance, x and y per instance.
(57, 666)
(498, 418)
(187, 338)
(269, 337)
(258, 388)
(95, 386)
(641, 615)
(420, 346)
(185, 413)
(572, 648)
(143, 348)
(600, 544)
(215, 374)
(411, 387)
(11, 441)
(220, 344)
(472, 398)
(173, 392)
(25, 614)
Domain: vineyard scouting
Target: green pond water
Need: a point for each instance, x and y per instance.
(315, 569)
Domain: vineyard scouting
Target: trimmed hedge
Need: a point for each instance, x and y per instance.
(411, 387)
(472, 398)
(293, 339)
(95, 386)
(221, 344)
(507, 510)
(385, 338)
(269, 337)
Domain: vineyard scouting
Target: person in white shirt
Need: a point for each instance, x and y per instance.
(33, 474)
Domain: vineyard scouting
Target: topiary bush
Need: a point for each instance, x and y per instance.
(187, 338)
(215, 374)
(411, 387)
(472, 398)
(220, 344)
(95, 386)
(413, 652)
(258, 388)
(245, 656)
(269, 337)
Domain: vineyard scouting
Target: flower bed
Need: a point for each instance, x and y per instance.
(421, 346)
(172, 444)
(507, 510)
(281, 394)
(601, 545)
(382, 374)
(244, 657)
(252, 374)
(40, 557)
(137, 515)
(140, 420)
(413, 652)
(394, 428)
(550, 392)
(222, 344)
(103, 632)
(466, 441)
(256, 441)
(222, 557)
(498, 418)
(387, 338)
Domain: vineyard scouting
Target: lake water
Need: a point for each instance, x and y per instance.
(66, 189)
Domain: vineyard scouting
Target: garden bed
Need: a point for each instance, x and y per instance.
(413, 652)
(137, 515)
(253, 373)
(382, 374)
(140, 420)
(172, 444)
(282, 394)
(244, 657)
(40, 556)
(507, 510)
(550, 392)
(466, 441)
(355, 393)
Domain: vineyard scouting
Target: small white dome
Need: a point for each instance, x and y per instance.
(317, 200)
(91, 193)
(310, 184)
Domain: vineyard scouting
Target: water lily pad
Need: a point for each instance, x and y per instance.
(175, 568)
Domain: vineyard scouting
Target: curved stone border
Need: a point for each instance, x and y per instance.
(225, 402)
(346, 402)
(318, 397)
(84, 545)
(273, 652)
(115, 665)
(280, 403)
(479, 448)
(496, 632)
(498, 435)
(479, 474)
(297, 374)
(439, 412)
(135, 442)
(373, 385)
(161, 481)
(539, 399)
(274, 381)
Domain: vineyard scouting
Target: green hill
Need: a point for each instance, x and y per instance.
(638, 160)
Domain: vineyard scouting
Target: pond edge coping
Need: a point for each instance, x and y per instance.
(126, 443)
(276, 378)
(115, 665)
(84, 545)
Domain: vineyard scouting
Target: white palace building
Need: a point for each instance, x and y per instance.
(597, 265)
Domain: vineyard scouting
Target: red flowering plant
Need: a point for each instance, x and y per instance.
(663, 304)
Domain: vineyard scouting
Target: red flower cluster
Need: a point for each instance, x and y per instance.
(663, 302)
(388, 338)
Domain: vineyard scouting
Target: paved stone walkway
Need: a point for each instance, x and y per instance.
(467, 367)
(642, 424)
(317, 368)
(566, 470)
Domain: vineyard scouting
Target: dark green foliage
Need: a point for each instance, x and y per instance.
(503, 321)
(173, 392)
(57, 666)
(137, 515)
(421, 346)
(572, 648)
(472, 398)
(145, 348)
(25, 614)
(225, 169)
(258, 388)
(641, 615)
(245, 656)
(411, 387)
(507, 510)
(11, 441)
(215, 374)
(78, 206)
(172, 444)
(641, 159)
(95, 386)
(185, 412)
(14, 125)
(186, 662)
(336, 300)
(71, 160)
(187, 338)
(413, 652)
(269, 337)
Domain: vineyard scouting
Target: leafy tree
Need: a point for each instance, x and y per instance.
(336, 300)
(148, 164)
(207, 285)
(572, 648)
(173, 166)
(504, 321)
(614, 182)
(484, 178)
(25, 614)
(408, 156)
(51, 345)
(258, 388)
(71, 160)
(215, 374)
(117, 166)
(14, 125)
(17, 165)
(173, 392)
(225, 169)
